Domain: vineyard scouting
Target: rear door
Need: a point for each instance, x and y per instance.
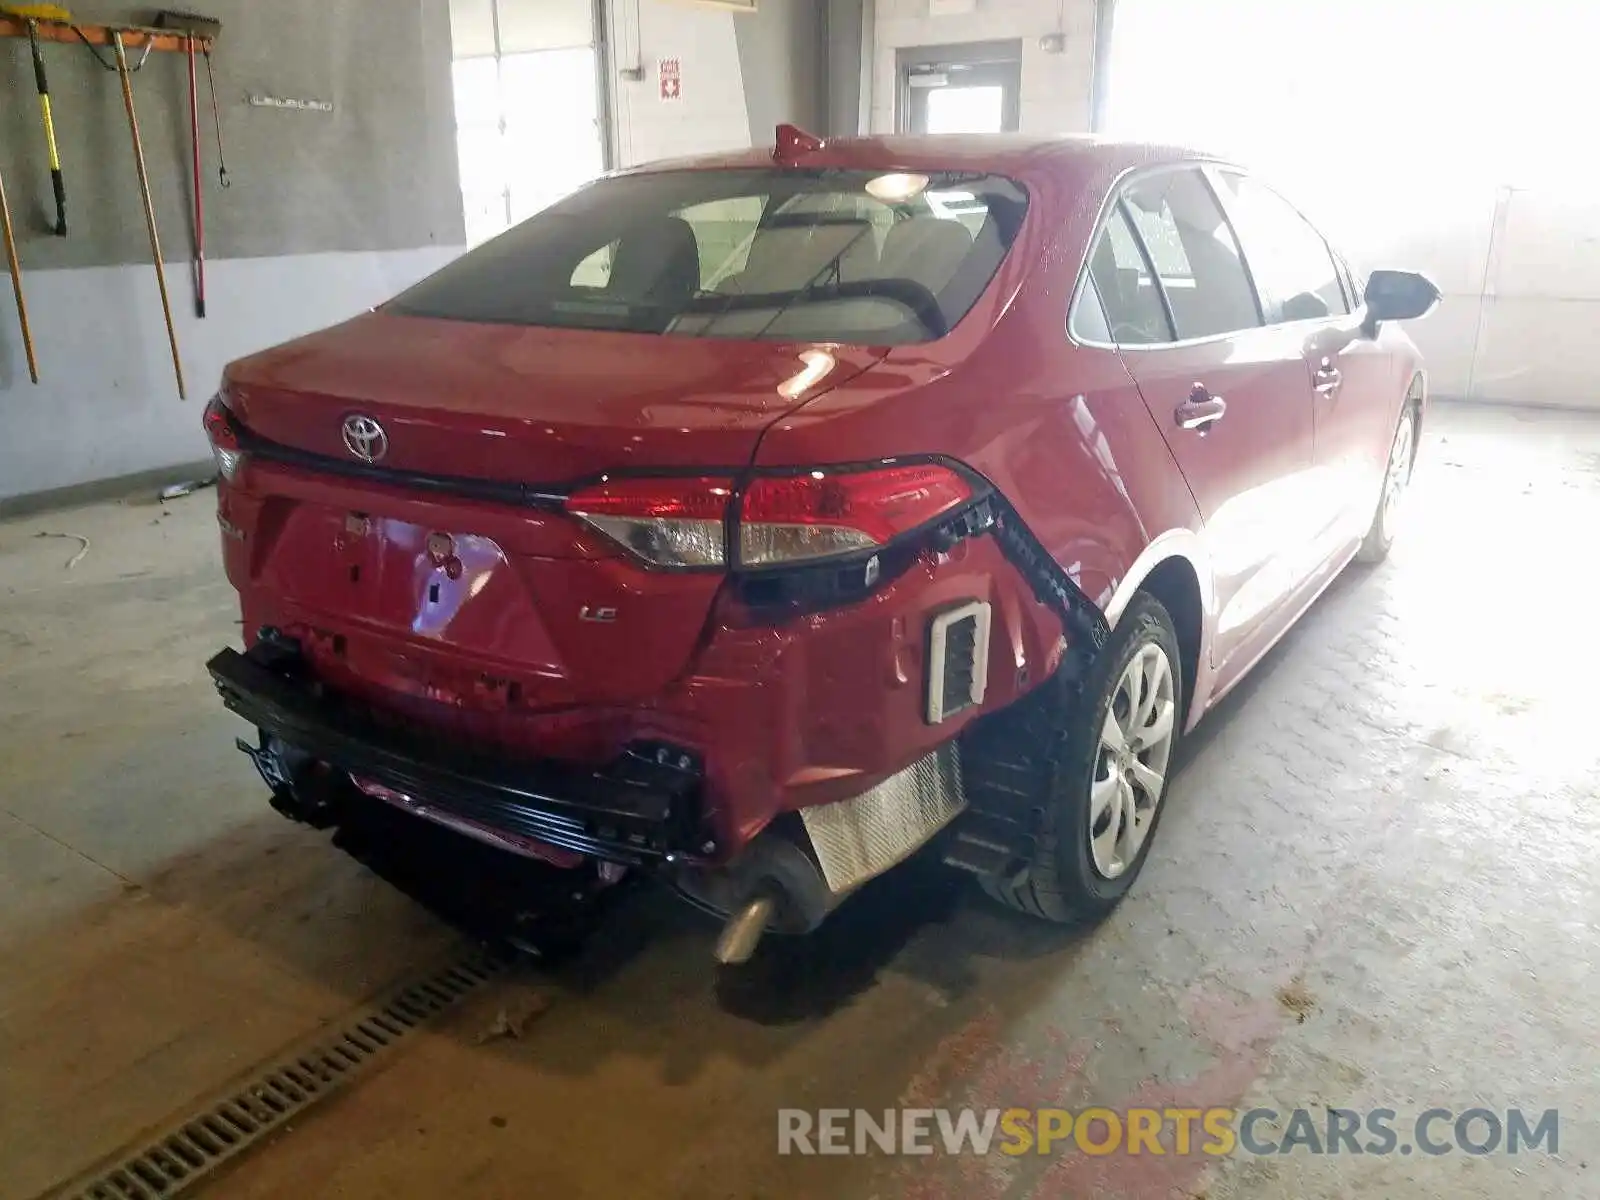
(1353, 405)
(1229, 394)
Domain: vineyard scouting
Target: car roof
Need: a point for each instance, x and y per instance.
(1001, 154)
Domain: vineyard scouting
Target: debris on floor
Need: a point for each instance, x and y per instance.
(513, 1018)
(1297, 999)
(176, 490)
(76, 537)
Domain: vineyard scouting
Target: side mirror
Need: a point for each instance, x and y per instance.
(1398, 296)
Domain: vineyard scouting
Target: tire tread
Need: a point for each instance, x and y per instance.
(1044, 739)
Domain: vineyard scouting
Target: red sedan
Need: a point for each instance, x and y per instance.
(754, 521)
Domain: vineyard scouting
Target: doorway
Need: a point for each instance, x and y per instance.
(971, 88)
(528, 107)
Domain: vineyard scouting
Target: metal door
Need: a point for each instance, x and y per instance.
(974, 88)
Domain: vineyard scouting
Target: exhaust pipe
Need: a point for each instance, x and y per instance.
(742, 933)
(773, 884)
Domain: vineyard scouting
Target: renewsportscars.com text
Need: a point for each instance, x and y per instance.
(1161, 1131)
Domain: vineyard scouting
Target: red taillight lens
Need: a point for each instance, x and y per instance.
(820, 514)
(218, 422)
(681, 522)
(666, 522)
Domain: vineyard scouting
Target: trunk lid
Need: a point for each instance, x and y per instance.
(522, 404)
(432, 591)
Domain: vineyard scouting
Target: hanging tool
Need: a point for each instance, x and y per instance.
(205, 30)
(196, 27)
(32, 14)
(216, 120)
(42, 82)
(199, 192)
(149, 206)
(16, 282)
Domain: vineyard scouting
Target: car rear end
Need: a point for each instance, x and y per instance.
(505, 564)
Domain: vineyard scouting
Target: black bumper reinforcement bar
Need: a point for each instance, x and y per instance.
(643, 806)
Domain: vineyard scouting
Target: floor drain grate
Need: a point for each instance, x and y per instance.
(193, 1147)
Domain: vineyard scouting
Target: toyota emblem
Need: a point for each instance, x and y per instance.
(365, 438)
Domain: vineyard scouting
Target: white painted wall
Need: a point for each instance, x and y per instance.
(1055, 87)
(1535, 302)
(1447, 145)
(711, 115)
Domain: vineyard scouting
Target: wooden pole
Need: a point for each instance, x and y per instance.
(16, 283)
(149, 208)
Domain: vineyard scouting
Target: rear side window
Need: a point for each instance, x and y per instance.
(1128, 293)
(1088, 321)
(781, 254)
(1194, 254)
(1292, 263)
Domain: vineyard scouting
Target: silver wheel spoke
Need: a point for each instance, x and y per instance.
(1106, 845)
(1135, 744)
(1150, 780)
(1101, 795)
(1130, 823)
(1149, 664)
(1158, 729)
(1111, 735)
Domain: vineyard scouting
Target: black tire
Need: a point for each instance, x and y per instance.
(1061, 883)
(1375, 546)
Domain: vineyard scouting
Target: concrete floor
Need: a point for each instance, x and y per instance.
(1390, 831)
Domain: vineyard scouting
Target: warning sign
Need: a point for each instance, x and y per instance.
(671, 71)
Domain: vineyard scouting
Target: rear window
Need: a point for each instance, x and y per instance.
(783, 254)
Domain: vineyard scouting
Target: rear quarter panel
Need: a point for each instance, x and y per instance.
(1059, 429)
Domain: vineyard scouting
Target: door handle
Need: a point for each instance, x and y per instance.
(1326, 379)
(1200, 410)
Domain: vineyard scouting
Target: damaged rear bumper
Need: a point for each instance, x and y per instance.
(319, 752)
(643, 807)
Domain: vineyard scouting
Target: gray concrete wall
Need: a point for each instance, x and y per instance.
(847, 29)
(328, 214)
(784, 68)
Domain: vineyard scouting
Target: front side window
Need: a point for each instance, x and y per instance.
(1194, 254)
(767, 253)
(1290, 260)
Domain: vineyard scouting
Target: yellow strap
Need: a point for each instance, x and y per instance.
(50, 133)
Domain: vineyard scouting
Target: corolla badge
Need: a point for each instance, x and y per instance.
(365, 438)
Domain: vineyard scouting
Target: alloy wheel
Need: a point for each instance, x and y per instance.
(1398, 475)
(1131, 768)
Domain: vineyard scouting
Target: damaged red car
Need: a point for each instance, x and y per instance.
(757, 520)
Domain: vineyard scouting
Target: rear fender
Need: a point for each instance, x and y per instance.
(1190, 547)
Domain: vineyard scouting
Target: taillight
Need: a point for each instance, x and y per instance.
(218, 422)
(789, 518)
(822, 514)
(666, 522)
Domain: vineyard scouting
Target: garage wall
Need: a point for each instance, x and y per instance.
(1452, 154)
(1056, 87)
(1520, 270)
(328, 214)
(741, 74)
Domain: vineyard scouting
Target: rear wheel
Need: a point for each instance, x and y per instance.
(1396, 482)
(1102, 791)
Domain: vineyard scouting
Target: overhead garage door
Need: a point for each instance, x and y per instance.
(1418, 134)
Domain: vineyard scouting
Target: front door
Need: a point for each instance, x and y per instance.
(974, 88)
(1229, 395)
(1353, 405)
